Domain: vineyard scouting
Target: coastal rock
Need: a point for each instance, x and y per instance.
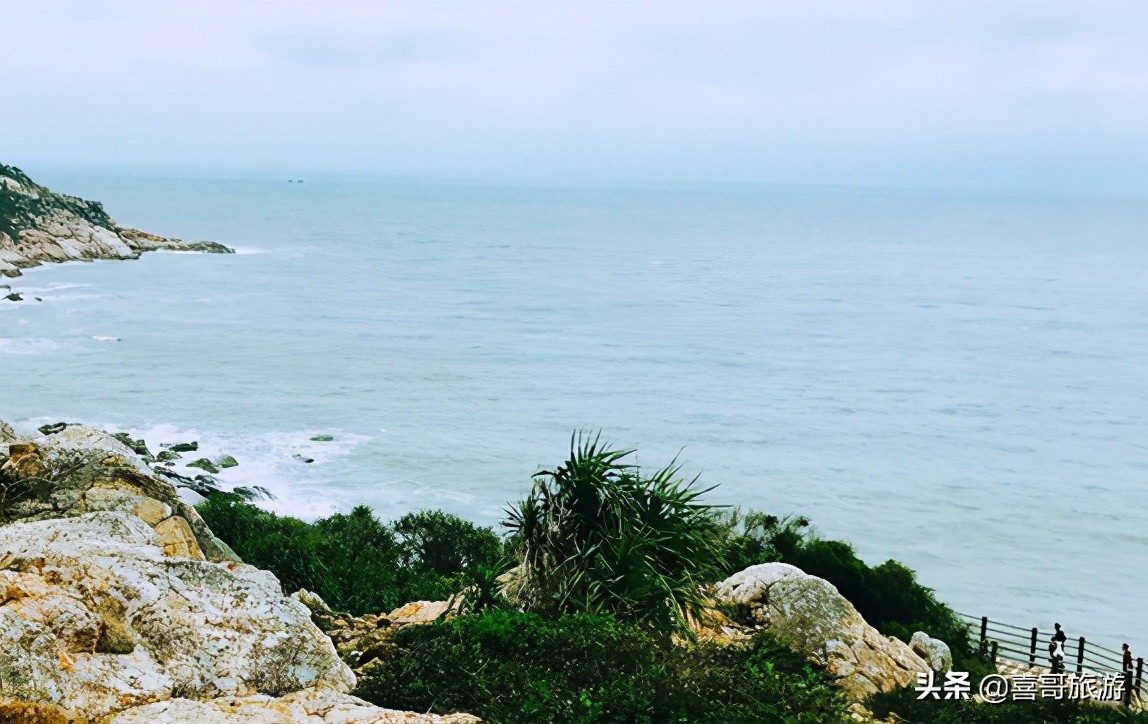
(808, 614)
(362, 639)
(80, 470)
(38, 225)
(99, 616)
(935, 652)
(304, 707)
(118, 604)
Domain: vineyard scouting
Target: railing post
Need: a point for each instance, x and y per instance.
(994, 659)
(1139, 674)
(984, 629)
(1032, 650)
(1080, 657)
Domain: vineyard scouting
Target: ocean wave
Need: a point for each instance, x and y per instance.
(27, 345)
(273, 460)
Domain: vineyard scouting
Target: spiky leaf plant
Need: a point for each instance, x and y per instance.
(596, 534)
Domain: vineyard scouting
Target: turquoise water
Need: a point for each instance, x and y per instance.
(958, 382)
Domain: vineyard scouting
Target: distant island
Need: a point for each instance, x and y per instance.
(38, 225)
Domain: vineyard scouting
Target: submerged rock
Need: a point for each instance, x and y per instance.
(807, 614)
(204, 464)
(181, 447)
(207, 247)
(322, 438)
(226, 461)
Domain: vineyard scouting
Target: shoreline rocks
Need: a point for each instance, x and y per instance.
(40, 226)
(118, 604)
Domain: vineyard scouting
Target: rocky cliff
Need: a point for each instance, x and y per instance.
(117, 604)
(38, 225)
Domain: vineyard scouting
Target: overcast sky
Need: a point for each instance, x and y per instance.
(1038, 94)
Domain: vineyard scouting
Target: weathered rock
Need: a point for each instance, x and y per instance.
(98, 618)
(362, 639)
(180, 447)
(7, 433)
(139, 447)
(164, 456)
(808, 614)
(419, 612)
(80, 470)
(935, 652)
(315, 707)
(52, 429)
(225, 461)
(118, 604)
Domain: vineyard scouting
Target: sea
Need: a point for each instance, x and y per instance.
(955, 380)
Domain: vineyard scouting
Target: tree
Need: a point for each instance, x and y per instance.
(597, 535)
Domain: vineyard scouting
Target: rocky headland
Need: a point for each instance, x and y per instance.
(38, 225)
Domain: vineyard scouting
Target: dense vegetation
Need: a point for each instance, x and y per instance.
(355, 562)
(514, 666)
(607, 562)
(26, 208)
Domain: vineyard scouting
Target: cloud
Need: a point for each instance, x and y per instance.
(654, 88)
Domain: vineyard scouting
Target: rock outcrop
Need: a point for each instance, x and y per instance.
(935, 652)
(117, 604)
(361, 640)
(38, 225)
(808, 614)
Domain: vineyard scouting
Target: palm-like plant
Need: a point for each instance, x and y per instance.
(596, 535)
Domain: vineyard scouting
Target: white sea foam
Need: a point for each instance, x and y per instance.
(249, 250)
(268, 461)
(27, 345)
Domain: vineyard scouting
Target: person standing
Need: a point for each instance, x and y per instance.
(1056, 656)
(1059, 636)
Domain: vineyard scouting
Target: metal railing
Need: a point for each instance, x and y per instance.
(1024, 646)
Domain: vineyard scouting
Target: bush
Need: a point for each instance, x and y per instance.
(514, 666)
(353, 561)
(596, 535)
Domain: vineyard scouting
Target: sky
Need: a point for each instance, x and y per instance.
(1019, 95)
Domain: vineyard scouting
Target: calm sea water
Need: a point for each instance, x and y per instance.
(958, 382)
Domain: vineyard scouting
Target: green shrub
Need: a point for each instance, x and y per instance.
(514, 666)
(353, 561)
(595, 534)
(445, 544)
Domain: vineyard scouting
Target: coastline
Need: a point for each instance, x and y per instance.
(39, 226)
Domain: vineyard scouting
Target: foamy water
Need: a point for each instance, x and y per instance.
(956, 382)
